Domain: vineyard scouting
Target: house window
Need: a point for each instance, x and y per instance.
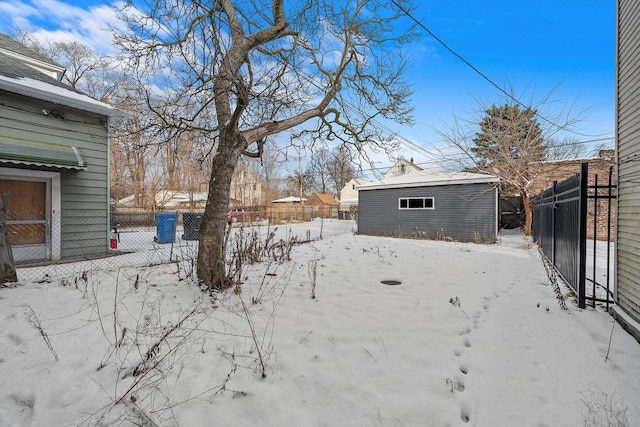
(416, 203)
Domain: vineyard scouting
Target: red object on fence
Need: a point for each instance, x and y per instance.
(115, 236)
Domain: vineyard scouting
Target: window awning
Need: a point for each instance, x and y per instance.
(33, 153)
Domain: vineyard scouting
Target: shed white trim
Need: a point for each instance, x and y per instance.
(426, 178)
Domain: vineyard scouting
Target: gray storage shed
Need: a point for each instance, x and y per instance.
(457, 206)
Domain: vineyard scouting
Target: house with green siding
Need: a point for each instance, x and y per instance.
(627, 259)
(54, 160)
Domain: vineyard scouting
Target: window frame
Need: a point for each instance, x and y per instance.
(431, 199)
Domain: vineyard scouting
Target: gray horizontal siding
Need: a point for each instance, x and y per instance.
(84, 195)
(628, 155)
(465, 212)
(85, 234)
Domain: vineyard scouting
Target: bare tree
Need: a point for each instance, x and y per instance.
(341, 169)
(85, 70)
(317, 171)
(328, 171)
(267, 168)
(236, 72)
(566, 149)
(296, 185)
(505, 141)
(133, 155)
(95, 75)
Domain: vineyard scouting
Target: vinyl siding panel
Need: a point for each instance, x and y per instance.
(85, 232)
(84, 195)
(628, 158)
(463, 212)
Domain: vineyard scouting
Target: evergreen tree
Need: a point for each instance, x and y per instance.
(509, 140)
(508, 136)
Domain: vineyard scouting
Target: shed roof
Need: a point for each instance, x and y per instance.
(426, 178)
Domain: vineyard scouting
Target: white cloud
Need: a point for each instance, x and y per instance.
(60, 21)
(15, 14)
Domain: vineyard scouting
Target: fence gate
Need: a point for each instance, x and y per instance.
(559, 226)
(602, 196)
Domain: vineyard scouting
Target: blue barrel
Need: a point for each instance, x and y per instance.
(166, 224)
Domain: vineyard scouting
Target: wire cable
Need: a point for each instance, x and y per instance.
(484, 76)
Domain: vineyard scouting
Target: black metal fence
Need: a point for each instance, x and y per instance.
(559, 226)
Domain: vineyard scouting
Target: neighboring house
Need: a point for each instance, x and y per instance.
(54, 151)
(456, 206)
(324, 205)
(180, 200)
(245, 192)
(547, 172)
(627, 257)
(349, 198)
(402, 167)
(246, 188)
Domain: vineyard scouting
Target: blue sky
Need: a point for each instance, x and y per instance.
(564, 49)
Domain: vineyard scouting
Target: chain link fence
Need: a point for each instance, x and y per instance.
(137, 239)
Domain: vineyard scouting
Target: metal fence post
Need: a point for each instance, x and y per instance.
(582, 234)
(553, 223)
(595, 238)
(609, 233)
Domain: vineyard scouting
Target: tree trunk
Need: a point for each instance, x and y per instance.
(526, 203)
(211, 267)
(7, 266)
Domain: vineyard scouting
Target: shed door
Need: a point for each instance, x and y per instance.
(27, 219)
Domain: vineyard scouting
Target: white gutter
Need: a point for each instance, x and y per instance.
(58, 95)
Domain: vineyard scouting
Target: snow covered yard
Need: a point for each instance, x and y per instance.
(473, 335)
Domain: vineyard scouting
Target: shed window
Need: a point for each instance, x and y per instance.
(416, 203)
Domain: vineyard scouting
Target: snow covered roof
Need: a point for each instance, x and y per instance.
(27, 73)
(290, 199)
(126, 200)
(172, 198)
(58, 95)
(426, 178)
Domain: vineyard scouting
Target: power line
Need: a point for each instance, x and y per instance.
(481, 74)
(432, 159)
(410, 144)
